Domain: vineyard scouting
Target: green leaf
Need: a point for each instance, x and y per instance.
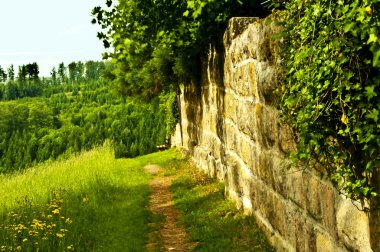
(370, 92)
(374, 115)
(372, 38)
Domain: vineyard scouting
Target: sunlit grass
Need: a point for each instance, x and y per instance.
(94, 202)
(105, 200)
(214, 222)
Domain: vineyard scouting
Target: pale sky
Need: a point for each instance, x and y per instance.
(48, 32)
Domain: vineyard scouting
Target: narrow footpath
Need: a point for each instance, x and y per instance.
(170, 236)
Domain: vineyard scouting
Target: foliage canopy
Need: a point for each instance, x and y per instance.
(157, 43)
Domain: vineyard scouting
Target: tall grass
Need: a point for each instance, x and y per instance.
(213, 221)
(102, 198)
(94, 202)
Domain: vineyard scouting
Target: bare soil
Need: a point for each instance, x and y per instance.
(170, 236)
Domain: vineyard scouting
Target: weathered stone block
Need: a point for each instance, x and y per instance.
(231, 137)
(300, 233)
(313, 202)
(295, 187)
(353, 226)
(245, 119)
(328, 198)
(324, 243)
(267, 205)
(233, 175)
(310, 237)
(230, 104)
(246, 152)
(267, 82)
(286, 140)
(278, 220)
(236, 26)
(280, 174)
(291, 216)
(266, 168)
(266, 122)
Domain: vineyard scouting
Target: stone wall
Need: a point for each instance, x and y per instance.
(232, 131)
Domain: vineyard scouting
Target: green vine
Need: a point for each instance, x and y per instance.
(332, 86)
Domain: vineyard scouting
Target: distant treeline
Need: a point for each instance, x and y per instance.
(27, 83)
(74, 112)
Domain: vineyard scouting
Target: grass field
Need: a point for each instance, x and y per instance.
(91, 202)
(94, 202)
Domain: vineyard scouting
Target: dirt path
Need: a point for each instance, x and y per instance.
(171, 237)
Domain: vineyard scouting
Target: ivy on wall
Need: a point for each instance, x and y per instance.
(331, 92)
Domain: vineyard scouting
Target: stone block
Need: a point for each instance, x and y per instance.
(286, 139)
(300, 232)
(240, 81)
(313, 202)
(231, 138)
(352, 226)
(252, 79)
(310, 238)
(280, 174)
(262, 201)
(278, 219)
(324, 243)
(328, 196)
(236, 26)
(246, 153)
(233, 175)
(254, 184)
(266, 168)
(295, 187)
(267, 82)
(291, 215)
(211, 165)
(266, 122)
(245, 118)
(230, 104)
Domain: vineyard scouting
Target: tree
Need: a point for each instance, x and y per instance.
(3, 75)
(21, 79)
(159, 52)
(53, 75)
(80, 71)
(62, 73)
(73, 72)
(32, 70)
(11, 73)
(40, 116)
(93, 69)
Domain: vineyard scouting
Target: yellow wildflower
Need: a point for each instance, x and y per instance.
(25, 240)
(18, 248)
(59, 235)
(85, 200)
(70, 248)
(33, 233)
(21, 226)
(68, 221)
(55, 211)
(50, 216)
